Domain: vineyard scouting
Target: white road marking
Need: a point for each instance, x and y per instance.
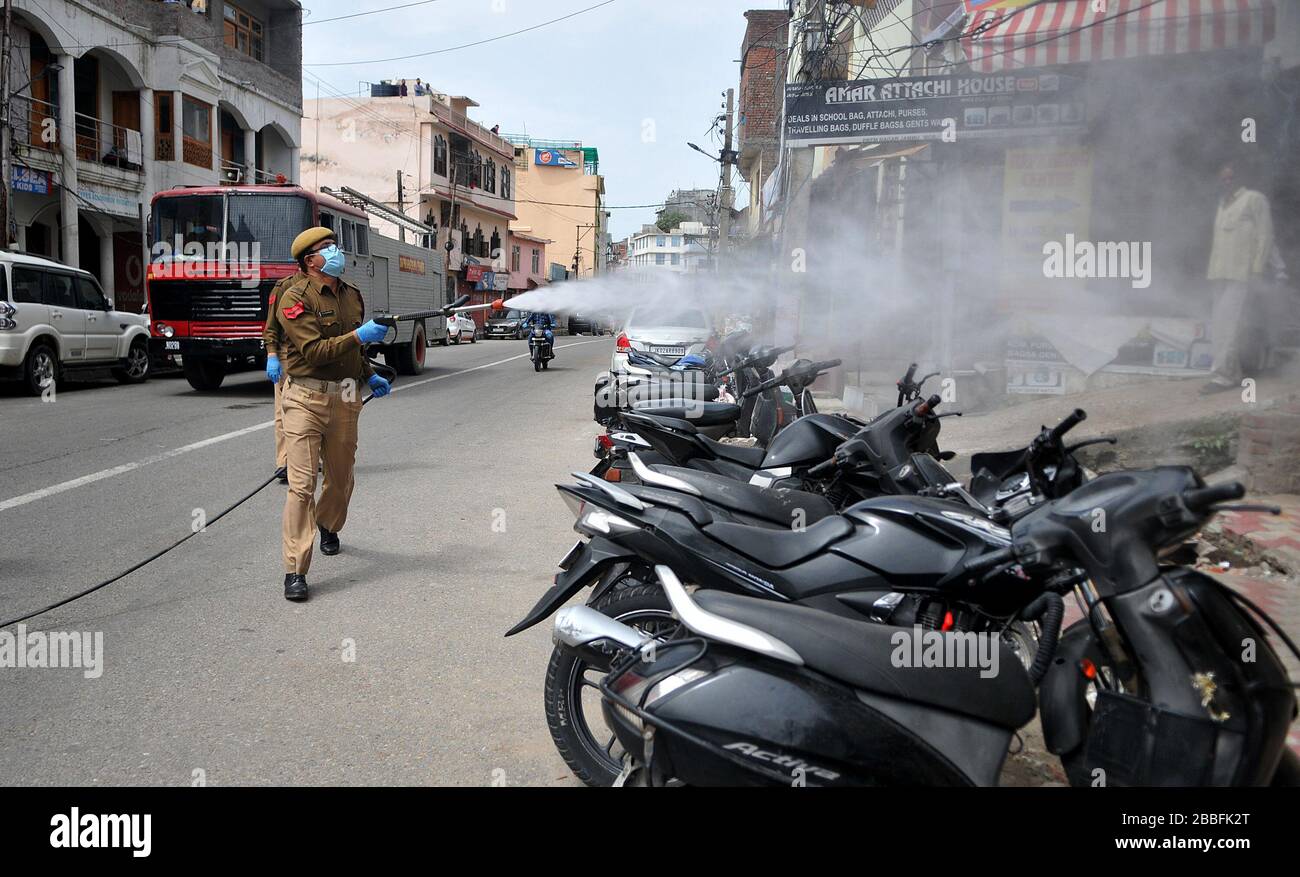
(208, 442)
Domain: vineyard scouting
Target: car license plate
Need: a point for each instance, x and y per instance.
(172, 345)
(669, 351)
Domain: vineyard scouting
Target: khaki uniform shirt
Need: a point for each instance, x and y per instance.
(271, 332)
(316, 331)
(1243, 237)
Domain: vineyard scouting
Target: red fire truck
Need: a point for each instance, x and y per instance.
(216, 252)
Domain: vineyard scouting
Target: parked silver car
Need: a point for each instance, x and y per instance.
(665, 333)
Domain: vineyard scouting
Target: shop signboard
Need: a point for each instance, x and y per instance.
(948, 107)
(1034, 367)
(27, 179)
(551, 158)
(1046, 195)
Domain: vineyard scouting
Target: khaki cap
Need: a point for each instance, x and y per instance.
(308, 239)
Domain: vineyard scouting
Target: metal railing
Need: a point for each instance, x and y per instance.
(462, 121)
(95, 140)
(108, 144)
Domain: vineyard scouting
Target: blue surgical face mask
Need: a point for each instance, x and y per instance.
(334, 260)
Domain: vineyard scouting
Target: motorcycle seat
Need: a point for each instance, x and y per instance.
(746, 456)
(699, 413)
(777, 549)
(778, 505)
(862, 655)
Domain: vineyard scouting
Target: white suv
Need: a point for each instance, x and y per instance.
(54, 318)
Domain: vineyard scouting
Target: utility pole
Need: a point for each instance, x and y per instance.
(4, 126)
(724, 185)
(401, 203)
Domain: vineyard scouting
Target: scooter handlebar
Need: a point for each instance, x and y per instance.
(1201, 498)
(1070, 422)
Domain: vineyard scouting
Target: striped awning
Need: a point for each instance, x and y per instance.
(1004, 37)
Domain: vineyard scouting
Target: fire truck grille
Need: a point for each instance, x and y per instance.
(225, 330)
(209, 300)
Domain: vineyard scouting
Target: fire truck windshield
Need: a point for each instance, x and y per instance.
(226, 227)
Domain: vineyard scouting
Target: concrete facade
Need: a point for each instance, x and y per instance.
(762, 79)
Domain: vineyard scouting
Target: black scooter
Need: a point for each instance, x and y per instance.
(1154, 688)
(891, 566)
(649, 428)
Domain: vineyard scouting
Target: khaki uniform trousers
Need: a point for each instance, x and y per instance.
(318, 426)
(281, 455)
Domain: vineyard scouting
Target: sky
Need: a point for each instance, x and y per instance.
(635, 78)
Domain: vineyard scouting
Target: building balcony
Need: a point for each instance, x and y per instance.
(105, 152)
(462, 124)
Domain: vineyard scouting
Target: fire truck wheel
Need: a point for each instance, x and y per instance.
(410, 356)
(204, 374)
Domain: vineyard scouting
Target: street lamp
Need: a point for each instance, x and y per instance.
(702, 152)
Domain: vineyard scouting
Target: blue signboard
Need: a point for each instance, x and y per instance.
(26, 179)
(551, 157)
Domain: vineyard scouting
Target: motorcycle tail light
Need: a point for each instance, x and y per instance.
(613, 474)
(605, 442)
(623, 345)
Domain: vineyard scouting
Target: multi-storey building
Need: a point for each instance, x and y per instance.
(424, 156)
(113, 100)
(561, 197)
(683, 249)
(696, 205)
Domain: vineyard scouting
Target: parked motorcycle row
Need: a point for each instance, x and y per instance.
(830, 606)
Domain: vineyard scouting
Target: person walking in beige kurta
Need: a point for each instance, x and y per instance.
(1239, 253)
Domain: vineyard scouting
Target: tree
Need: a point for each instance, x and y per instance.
(671, 219)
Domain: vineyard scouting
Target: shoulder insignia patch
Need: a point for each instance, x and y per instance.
(294, 311)
(270, 302)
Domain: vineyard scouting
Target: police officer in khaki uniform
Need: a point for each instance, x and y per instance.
(321, 347)
(274, 370)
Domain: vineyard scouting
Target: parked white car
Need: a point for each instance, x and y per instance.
(665, 333)
(461, 327)
(55, 319)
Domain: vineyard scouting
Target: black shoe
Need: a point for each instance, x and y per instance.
(329, 542)
(295, 586)
(282, 474)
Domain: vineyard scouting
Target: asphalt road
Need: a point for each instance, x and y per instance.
(208, 673)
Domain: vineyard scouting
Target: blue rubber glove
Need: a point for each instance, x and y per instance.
(273, 368)
(371, 332)
(379, 386)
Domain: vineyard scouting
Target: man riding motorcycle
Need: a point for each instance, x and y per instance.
(547, 322)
